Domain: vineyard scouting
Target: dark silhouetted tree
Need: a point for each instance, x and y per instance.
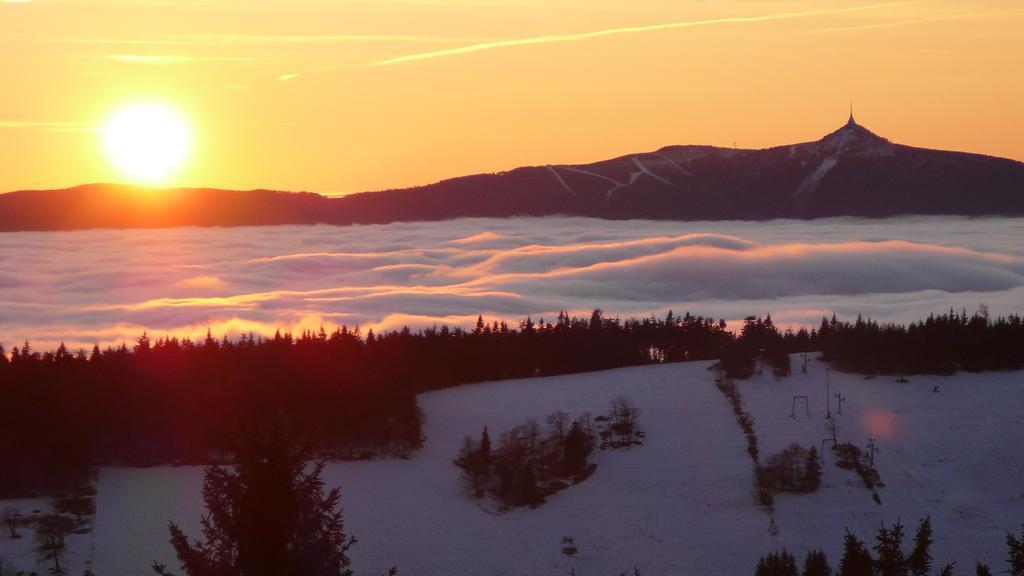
(577, 449)
(529, 494)
(557, 422)
(777, 564)
(11, 518)
(623, 414)
(51, 532)
(889, 548)
(920, 559)
(267, 515)
(1015, 549)
(484, 454)
(856, 560)
(813, 470)
(816, 564)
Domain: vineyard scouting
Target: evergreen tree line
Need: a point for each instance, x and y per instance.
(182, 401)
(761, 342)
(939, 344)
(889, 558)
(174, 400)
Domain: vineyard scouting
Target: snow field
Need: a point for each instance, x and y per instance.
(680, 504)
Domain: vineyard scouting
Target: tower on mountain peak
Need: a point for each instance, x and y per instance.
(851, 121)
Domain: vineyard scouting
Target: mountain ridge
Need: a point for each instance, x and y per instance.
(849, 172)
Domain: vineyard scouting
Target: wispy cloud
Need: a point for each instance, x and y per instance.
(555, 38)
(581, 36)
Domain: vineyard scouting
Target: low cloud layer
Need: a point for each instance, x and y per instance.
(108, 286)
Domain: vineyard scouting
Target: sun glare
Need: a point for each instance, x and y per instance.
(148, 142)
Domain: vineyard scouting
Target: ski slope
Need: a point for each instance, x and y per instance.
(680, 504)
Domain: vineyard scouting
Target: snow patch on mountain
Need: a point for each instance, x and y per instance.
(560, 180)
(645, 170)
(811, 182)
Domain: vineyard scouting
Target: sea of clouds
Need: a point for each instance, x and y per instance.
(108, 286)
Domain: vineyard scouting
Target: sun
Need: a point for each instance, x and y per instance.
(148, 142)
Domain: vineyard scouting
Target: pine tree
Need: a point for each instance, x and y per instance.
(982, 570)
(812, 478)
(920, 559)
(266, 516)
(816, 564)
(1015, 545)
(576, 449)
(777, 564)
(787, 564)
(856, 560)
(889, 546)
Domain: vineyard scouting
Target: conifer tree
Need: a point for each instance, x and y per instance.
(889, 546)
(816, 564)
(856, 560)
(1015, 545)
(575, 452)
(267, 515)
(982, 570)
(813, 470)
(777, 564)
(920, 559)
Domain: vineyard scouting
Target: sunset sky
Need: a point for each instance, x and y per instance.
(345, 96)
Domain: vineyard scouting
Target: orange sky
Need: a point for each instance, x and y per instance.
(341, 96)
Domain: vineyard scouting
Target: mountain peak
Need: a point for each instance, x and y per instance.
(852, 137)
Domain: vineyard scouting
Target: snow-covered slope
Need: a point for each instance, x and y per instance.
(680, 504)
